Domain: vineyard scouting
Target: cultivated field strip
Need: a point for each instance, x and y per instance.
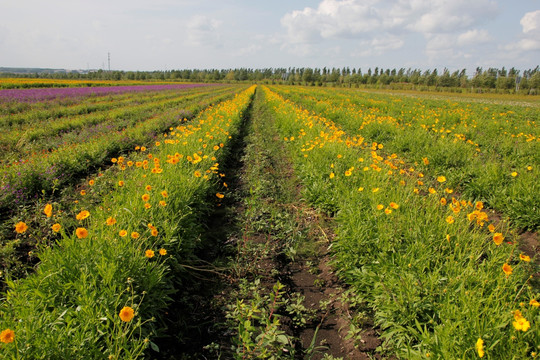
(439, 282)
(487, 152)
(104, 290)
(44, 172)
(42, 136)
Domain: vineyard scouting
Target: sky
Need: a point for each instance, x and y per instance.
(151, 35)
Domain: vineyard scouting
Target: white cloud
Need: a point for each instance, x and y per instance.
(531, 22)
(473, 37)
(530, 38)
(203, 31)
(383, 25)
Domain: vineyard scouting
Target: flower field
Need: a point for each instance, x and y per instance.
(105, 196)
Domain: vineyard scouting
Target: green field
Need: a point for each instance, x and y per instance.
(278, 222)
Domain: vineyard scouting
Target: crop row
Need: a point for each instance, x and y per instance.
(488, 152)
(44, 173)
(441, 278)
(104, 290)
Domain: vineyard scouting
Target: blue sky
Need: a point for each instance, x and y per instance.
(177, 34)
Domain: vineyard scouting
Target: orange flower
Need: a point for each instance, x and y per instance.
(7, 336)
(126, 314)
(443, 201)
(491, 228)
(122, 233)
(197, 173)
(83, 215)
(91, 182)
(121, 183)
(81, 233)
(162, 252)
(164, 194)
(380, 207)
(21, 227)
(479, 205)
(83, 192)
(154, 232)
(534, 303)
(450, 219)
(220, 196)
(147, 206)
(507, 269)
(149, 253)
(145, 197)
(394, 206)
(110, 221)
(148, 188)
(135, 235)
(524, 257)
(425, 160)
(162, 203)
(498, 238)
(56, 227)
(48, 210)
(387, 211)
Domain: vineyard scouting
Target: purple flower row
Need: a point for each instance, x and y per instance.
(40, 94)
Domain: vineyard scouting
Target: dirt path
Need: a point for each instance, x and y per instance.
(288, 241)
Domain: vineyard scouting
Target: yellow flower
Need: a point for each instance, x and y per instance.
(441, 179)
(443, 201)
(56, 227)
(432, 190)
(387, 211)
(220, 196)
(83, 192)
(394, 206)
(162, 203)
(491, 228)
(375, 190)
(145, 197)
(148, 188)
(360, 189)
(380, 207)
(479, 205)
(332, 175)
(81, 233)
(48, 210)
(450, 219)
(498, 238)
(425, 160)
(480, 347)
(121, 183)
(83, 215)
(126, 314)
(122, 233)
(149, 253)
(534, 303)
(524, 257)
(154, 232)
(520, 322)
(514, 174)
(147, 206)
(162, 252)
(164, 194)
(7, 336)
(110, 221)
(197, 173)
(135, 235)
(91, 182)
(21, 227)
(448, 191)
(507, 269)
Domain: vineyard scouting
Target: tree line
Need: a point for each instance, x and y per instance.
(510, 80)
